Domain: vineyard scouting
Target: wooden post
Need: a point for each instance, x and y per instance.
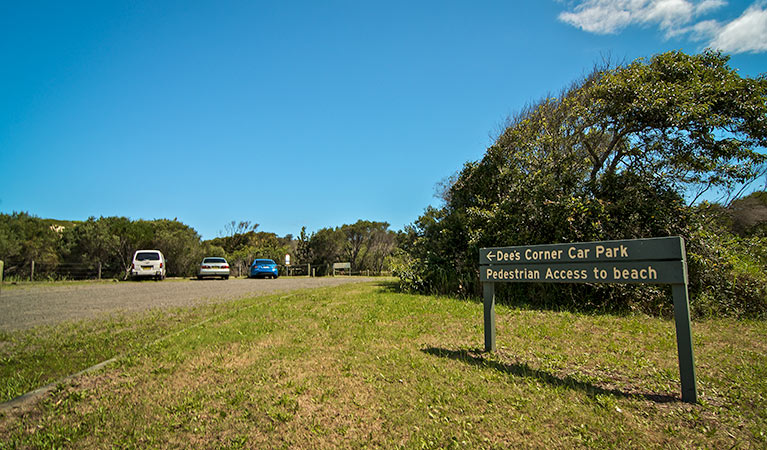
(488, 290)
(99, 270)
(32, 272)
(684, 343)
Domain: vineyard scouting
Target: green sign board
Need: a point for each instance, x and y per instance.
(648, 261)
(659, 272)
(655, 249)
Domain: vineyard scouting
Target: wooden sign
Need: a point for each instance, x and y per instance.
(647, 261)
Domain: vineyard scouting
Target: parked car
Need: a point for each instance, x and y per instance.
(148, 264)
(263, 268)
(213, 267)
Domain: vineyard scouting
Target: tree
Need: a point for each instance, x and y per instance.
(611, 157)
(326, 246)
(92, 242)
(25, 238)
(381, 245)
(303, 249)
(690, 118)
(359, 238)
(129, 237)
(180, 244)
(237, 235)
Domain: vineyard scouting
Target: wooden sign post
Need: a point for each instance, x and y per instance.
(648, 261)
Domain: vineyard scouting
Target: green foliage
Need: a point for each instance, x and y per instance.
(691, 118)
(180, 244)
(247, 244)
(25, 238)
(609, 158)
(728, 273)
(365, 244)
(109, 241)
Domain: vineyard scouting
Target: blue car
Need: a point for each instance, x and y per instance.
(263, 268)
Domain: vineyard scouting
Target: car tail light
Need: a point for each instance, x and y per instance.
(160, 265)
(225, 266)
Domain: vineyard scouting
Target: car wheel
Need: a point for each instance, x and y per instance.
(225, 277)
(199, 277)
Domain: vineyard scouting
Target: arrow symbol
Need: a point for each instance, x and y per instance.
(490, 255)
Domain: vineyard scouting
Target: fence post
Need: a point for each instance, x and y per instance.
(99, 270)
(32, 272)
(2, 268)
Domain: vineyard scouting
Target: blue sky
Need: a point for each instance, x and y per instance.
(299, 113)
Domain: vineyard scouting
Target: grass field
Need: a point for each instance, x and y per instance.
(363, 366)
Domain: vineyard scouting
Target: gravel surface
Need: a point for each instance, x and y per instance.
(26, 307)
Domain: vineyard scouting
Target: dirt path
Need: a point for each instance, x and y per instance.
(22, 308)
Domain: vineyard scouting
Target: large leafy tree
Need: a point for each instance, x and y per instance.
(689, 118)
(611, 157)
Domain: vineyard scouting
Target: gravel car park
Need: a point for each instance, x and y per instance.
(29, 306)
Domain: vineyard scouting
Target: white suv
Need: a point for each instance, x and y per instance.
(148, 263)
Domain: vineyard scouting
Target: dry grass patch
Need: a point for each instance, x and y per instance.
(364, 367)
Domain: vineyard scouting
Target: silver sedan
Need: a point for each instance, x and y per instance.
(213, 267)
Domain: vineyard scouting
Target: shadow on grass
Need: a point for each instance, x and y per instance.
(525, 371)
(390, 287)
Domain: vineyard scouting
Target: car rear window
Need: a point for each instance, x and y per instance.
(147, 256)
(214, 260)
(264, 261)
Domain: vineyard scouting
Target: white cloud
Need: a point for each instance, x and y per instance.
(704, 31)
(708, 5)
(611, 16)
(599, 17)
(747, 33)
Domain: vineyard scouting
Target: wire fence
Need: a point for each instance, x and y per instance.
(35, 271)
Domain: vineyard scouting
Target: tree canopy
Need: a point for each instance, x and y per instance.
(619, 154)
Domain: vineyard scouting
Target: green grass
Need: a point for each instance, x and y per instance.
(362, 366)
